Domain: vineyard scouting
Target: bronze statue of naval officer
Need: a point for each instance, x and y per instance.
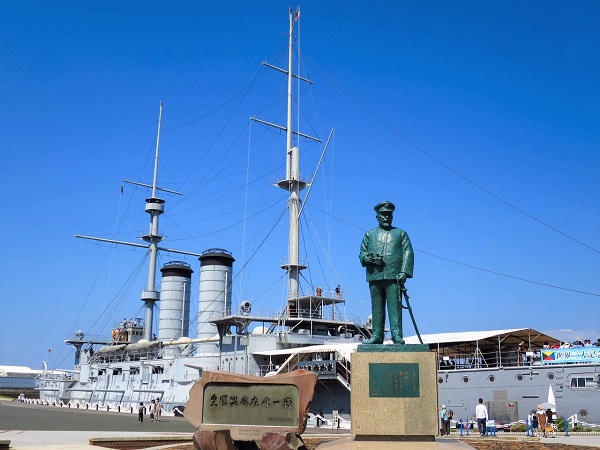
(387, 255)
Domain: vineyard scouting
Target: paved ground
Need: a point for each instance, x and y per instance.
(559, 443)
(34, 427)
(23, 416)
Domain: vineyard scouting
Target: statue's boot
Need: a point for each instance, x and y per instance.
(378, 326)
(395, 313)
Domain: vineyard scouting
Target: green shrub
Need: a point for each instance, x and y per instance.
(560, 424)
(518, 427)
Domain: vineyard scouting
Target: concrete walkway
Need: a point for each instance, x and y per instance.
(585, 441)
(78, 440)
(34, 427)
(67, 440)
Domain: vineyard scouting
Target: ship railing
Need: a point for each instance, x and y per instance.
(328, 368)
(260, 312)
(88, 338)
(123, 356)
(54, 376)
(265, 369)
(343, 370)
(574, 420)
(474, 360)
(480, 360)
(308, 314)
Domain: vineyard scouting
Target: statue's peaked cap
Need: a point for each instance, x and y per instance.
(385, 206)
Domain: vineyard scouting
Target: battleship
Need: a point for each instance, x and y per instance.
(484, 364)
(136, 363)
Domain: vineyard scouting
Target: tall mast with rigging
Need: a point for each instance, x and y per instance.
(292, 183)
(155, 206)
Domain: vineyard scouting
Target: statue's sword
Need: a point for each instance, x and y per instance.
(404, 293)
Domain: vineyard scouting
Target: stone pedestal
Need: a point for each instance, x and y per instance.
(394, 393)
(394, 401)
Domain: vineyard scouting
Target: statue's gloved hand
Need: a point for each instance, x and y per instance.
(401, 278)
(370, 259)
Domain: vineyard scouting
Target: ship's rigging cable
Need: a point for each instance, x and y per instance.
(472, 266)
(446, 166)
(272, 228)
(242, 92)
(245, 205)
(356, 313)
(510, 276)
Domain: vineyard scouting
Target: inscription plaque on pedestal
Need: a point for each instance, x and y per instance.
(394, 380)
(394, 393)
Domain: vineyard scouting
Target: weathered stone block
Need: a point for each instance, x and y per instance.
(394, 393)
(249, 408)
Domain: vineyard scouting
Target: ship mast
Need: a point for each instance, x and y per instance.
(292, 183)
(155, 207)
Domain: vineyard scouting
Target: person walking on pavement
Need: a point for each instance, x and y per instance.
(481, 414)
(550, 421)
(535, 424)
(151, 410)
(158, 409)
(141, 411)
(541, 415)
(445, 421)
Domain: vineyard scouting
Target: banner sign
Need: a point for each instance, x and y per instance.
(571, 355)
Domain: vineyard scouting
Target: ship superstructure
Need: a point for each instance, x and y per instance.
(139, 364)
(481, 364)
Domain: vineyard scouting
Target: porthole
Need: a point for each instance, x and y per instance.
(583, 413)
(550, 376)
(520, 377)
(465, 379)
(440, 380)
(491, 378)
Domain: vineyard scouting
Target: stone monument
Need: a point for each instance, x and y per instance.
(394, 386)
(231, 410)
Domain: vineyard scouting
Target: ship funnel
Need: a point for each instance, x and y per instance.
(174, 318)
(216, 267)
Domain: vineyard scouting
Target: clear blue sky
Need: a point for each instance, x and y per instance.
(480, 120)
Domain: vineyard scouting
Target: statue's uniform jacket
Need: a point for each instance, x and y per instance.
(395, 249)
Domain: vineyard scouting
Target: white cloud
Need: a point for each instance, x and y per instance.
(574, 335)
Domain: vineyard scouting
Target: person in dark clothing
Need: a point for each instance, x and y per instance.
(141, 410)
(550, 421)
